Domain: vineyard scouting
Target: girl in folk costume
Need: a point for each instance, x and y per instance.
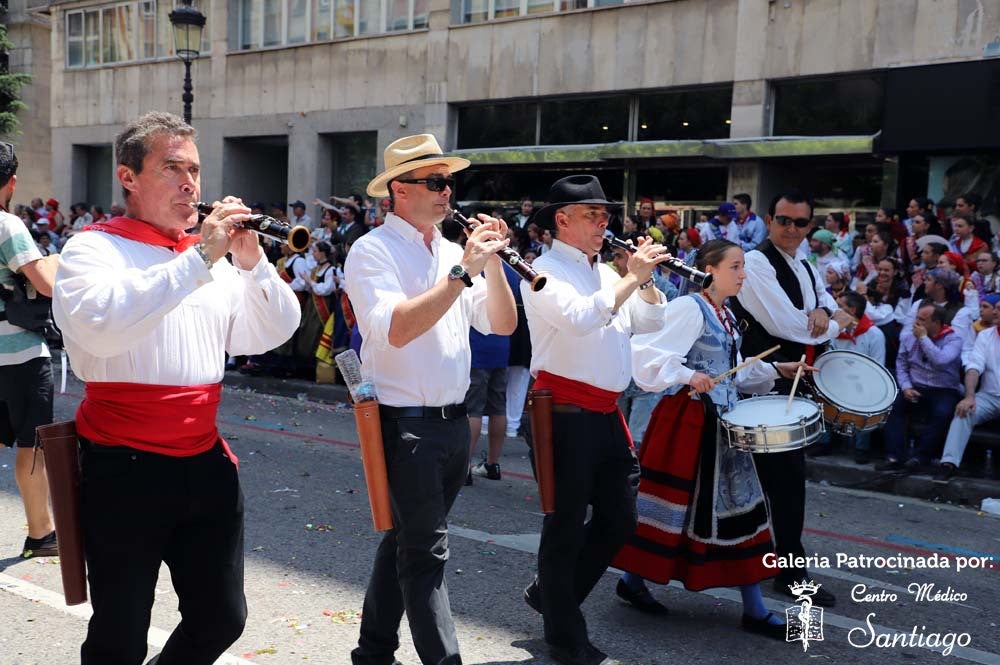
(324, 286)
(880, 245)
(838, 278)
(889, 302)
(956, 263)
(965, 243)
(702, 517)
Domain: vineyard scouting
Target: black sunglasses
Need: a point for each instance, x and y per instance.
(785, 221)
(434, 183)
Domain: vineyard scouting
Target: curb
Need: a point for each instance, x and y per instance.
(843, 472)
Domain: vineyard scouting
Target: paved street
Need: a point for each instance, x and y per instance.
(309, 545)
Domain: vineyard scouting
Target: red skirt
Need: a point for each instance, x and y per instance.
(702, 516)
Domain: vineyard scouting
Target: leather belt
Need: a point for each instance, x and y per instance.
(573, 408)
(448, 412)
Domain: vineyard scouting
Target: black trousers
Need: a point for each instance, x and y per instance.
(140, 509)
(427, 461)
(594, 466)
(783, 479)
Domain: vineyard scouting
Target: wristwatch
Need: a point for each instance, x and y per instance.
(459, 272)
(200, 251)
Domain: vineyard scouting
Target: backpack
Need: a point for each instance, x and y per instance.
(28, 309)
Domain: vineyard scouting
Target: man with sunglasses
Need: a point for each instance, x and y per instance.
(415, 295)
(784, 301)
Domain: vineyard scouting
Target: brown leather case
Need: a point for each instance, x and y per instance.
(366, 418)
(62, 466)
(540, 404)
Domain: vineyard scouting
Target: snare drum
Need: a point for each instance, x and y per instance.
(761, 425)
(856, 392)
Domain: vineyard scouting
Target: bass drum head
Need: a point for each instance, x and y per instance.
(854, 382)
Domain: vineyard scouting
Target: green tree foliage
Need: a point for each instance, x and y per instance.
(10, 84)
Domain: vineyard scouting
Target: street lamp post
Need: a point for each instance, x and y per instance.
(188, 24)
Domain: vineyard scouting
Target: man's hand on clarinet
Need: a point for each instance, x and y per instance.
(218, 235)
(646, 257)
(488, 238)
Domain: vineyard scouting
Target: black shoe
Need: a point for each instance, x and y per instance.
(890, 465)
(945, 472)
(587, 654)
(764, 627)
(640, 600)
(822, 597)
(484, 470)
(861, 457)
(913, 465)
(44, 546)
(533, 597)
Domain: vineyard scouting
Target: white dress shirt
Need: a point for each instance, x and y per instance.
(870, 343)
(387, 266)
(300, 270)
(574, 333)
(330, 279)
(137, 313)
(764, 298)
(985, 359)
(658, 358)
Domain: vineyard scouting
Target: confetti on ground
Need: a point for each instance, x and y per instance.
(343, 617)
(319, 527)
(250, 417)
(265, 650)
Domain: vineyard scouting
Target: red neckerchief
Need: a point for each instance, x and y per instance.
(864, 325)
(583, 395)
(744, 219)
(944, 331)
(146, 233)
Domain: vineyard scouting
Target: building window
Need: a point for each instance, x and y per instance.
(584, 120)
(123, 32)
(478, 11)
(843, 105)
(281, 22)
(497, 125)
(685, 114)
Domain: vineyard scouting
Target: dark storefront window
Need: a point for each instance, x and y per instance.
(593, 120)
(510, 184)
(687, 114)
(683, 184)
(497, 125)
(844, 105)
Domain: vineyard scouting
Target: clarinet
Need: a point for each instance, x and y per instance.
(296, 237)
(702, 279)
(509, 256)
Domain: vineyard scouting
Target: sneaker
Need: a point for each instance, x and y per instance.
(489, 471)
(44, 546)
(945, 472)
(510, 434)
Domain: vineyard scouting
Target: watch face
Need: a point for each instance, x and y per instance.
(457, 271)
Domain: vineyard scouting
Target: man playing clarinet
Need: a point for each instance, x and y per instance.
(148, 313)
(415, 297)
(580, 325)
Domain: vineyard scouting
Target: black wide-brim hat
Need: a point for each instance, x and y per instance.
(567, 191)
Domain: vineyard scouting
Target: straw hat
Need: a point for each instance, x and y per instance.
(409, 153)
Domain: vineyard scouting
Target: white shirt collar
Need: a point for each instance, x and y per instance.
(409, 231)
(572, 253)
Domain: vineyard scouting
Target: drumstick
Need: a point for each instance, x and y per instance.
(762, 354)
(795, 384)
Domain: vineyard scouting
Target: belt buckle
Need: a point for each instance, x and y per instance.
(444, 415)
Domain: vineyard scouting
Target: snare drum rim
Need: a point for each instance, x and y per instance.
(827, 398)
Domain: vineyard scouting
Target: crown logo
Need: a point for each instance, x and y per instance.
(805, 588)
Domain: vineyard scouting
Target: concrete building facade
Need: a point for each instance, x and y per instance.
(297, 98)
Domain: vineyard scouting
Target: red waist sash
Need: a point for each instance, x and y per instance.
(178, 421)
(583, 395)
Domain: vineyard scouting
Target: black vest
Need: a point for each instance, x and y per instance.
(755, 336)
